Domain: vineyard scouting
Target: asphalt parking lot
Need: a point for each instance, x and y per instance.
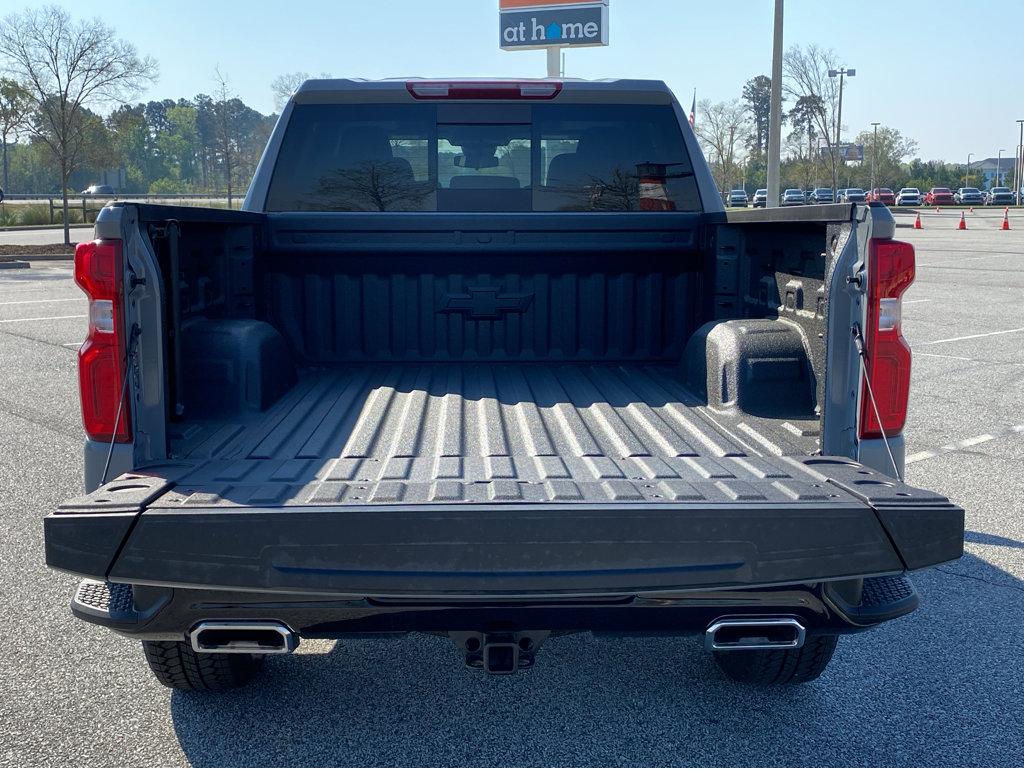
(942, 686)
(44, 236)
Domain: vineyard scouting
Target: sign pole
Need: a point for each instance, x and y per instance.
(775, 112)
(554, 61)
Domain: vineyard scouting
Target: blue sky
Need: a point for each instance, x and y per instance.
(912, 70)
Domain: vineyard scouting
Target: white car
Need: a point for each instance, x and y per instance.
(908, 196)
(793, 197)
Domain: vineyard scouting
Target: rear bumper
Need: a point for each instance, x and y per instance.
(168, 614)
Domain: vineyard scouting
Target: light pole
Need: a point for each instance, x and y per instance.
(999, 166)
(841, 73)
(874, 157)
(1019, 171)
(967, 173)
(775, 112)
(554, 60)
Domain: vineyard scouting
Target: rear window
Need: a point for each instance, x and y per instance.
(941, 189)
(483, 157)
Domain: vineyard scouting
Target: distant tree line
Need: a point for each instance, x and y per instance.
(203, 144)
(734, 137)
(67, 119)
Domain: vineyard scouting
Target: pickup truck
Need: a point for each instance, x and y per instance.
(489, 360)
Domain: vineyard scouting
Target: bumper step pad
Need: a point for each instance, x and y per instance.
(107, 602)
(882, 599)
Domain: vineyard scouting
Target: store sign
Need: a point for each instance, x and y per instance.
(566, 25)
(847, 152)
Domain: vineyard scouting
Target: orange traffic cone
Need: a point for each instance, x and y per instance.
(963, 222)
(917, 222)
(1006, 219)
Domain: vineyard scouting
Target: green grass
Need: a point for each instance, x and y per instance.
(35, 214)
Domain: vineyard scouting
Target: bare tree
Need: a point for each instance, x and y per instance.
(15, 111)
(285, 85)
(806, 78)
(722, 128)
(225, 129)
(66, 66)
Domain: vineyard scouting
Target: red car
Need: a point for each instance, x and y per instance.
(882, 195)
(939, 196)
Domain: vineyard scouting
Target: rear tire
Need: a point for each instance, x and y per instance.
(770, 667)
(178, 666)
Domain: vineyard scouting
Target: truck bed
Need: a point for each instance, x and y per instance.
(536, 433)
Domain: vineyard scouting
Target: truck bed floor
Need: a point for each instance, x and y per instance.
(482, 433)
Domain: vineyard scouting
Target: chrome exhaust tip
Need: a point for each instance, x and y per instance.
(744, 634)
(243, 638)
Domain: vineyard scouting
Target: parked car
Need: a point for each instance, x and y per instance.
(969, 196)
(737, 198)
(854, 195)
(821, 195)
(465, 437)
(760, 198)
(909, 196)
(793, 197)
(99, 189)
(882, 195)
(939, 196)
(1000, 196)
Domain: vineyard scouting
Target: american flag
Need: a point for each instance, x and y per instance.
(693, 109)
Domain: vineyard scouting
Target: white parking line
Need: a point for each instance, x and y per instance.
(937, 355)
(915, 301)
(52, 317)
(43, 301)
(918, 457)
(974, 336)
(976, 440)
(72, 344)
(966, 443)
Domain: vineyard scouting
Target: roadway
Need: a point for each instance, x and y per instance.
(940, 687)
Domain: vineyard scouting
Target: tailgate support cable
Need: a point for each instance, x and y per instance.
(858, 340)
(124, 394)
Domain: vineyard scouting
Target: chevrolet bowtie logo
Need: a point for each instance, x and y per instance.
(485, 303)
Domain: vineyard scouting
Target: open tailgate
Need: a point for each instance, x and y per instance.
(740, 522)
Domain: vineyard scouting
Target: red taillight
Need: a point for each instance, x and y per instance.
(483, 89)
(890, 273)
(101, 360)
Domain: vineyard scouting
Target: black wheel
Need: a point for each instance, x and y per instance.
(770, 667)
(176, 665)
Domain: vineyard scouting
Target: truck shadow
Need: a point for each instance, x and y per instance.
(939, 687)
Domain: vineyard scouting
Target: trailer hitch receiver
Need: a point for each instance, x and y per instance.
(500, 653)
